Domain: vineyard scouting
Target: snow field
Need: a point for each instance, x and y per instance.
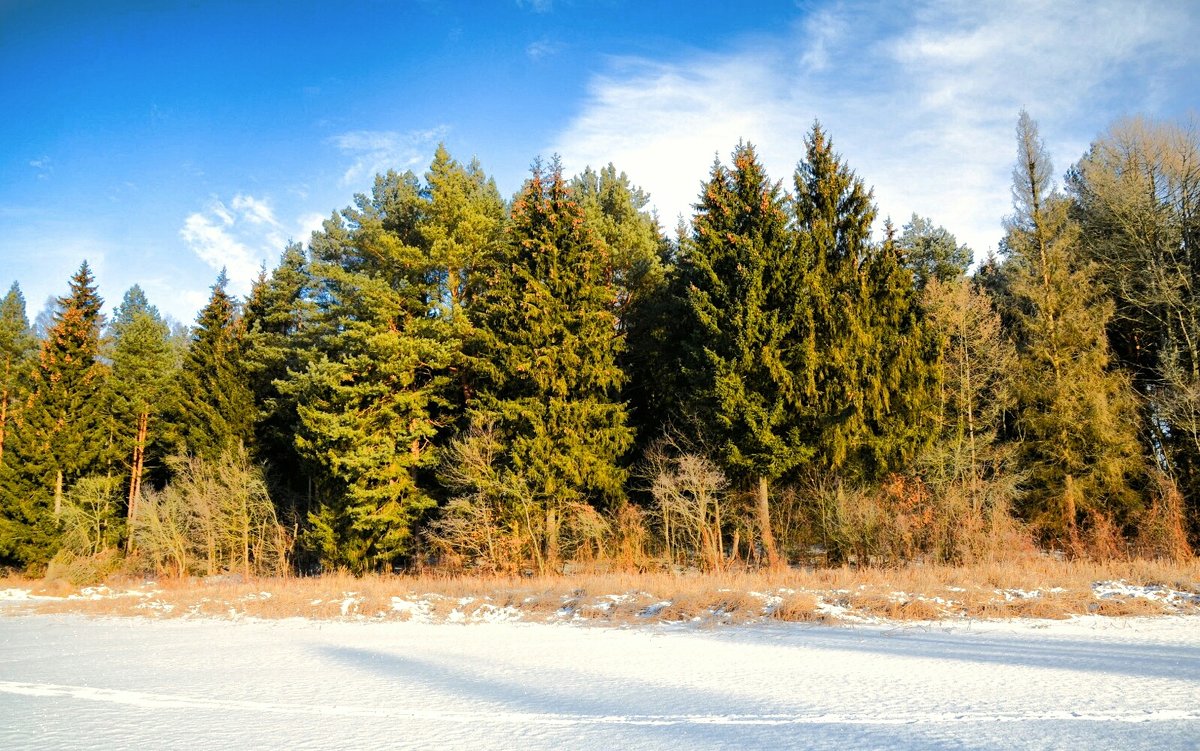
(73, 682)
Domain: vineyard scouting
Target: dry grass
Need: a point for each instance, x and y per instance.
(1035, 587)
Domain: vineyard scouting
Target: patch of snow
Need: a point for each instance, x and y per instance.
(415, 610)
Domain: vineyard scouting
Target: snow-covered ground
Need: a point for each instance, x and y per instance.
(73, 682)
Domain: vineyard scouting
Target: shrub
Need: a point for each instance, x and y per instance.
(214, 517)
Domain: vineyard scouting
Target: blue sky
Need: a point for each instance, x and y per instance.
(163, 140)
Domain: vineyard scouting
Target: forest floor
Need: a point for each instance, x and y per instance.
(1033, 588)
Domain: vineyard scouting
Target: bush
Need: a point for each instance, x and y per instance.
(903, 520)
(214, 517)
(91, 516)
(1162, 529)
(690, 495)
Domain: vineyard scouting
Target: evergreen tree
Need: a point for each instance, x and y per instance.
(932, 252)
(870, 361)
(640, 258)
(143, 367)
(63, 434)
(546, 319)
(215, 405)
(616, 212)
(366, 401)
(278, 314)
(17, 347)
(463, 225)
(747, 353)
(1076, 417)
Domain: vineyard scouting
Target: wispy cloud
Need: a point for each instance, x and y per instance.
(239, 236)
(537, 6)
(376, 151)
(924, 110)
(543, 48)
(44, 167)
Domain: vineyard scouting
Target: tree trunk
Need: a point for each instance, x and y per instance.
(763, 508)
(4, 408)
(135, 477)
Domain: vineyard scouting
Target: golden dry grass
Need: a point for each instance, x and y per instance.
(1034, 587)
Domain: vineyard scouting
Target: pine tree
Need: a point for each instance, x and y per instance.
(932, 252)
(747, 355)
(367, 399)
(63, 433)
(616, 212)
(462, 227)
(1076, 417)
(640, 257)
(215, 407)
(546, 320)
(144, 365)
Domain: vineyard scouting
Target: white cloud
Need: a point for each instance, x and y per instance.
(239, 236)
(375, 151)
(254, 210)
(308, 224)
(924, 111)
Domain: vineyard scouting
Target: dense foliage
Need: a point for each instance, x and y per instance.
(442, 377)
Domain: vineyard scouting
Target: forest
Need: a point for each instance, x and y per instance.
(445, 380)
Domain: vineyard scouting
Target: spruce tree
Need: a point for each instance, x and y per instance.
(1076, 417)
(63, 434)
(215, 407)
(868, 359)
(17, 347)
(546, 320)
(747, 354)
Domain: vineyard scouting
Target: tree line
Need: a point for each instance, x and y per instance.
(445, 378)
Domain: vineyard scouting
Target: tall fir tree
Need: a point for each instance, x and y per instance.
(1076, 417)
(63, 434)
(144, 366)
(546, 320)
(870, 375)
(214, 406)
(747, 352)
